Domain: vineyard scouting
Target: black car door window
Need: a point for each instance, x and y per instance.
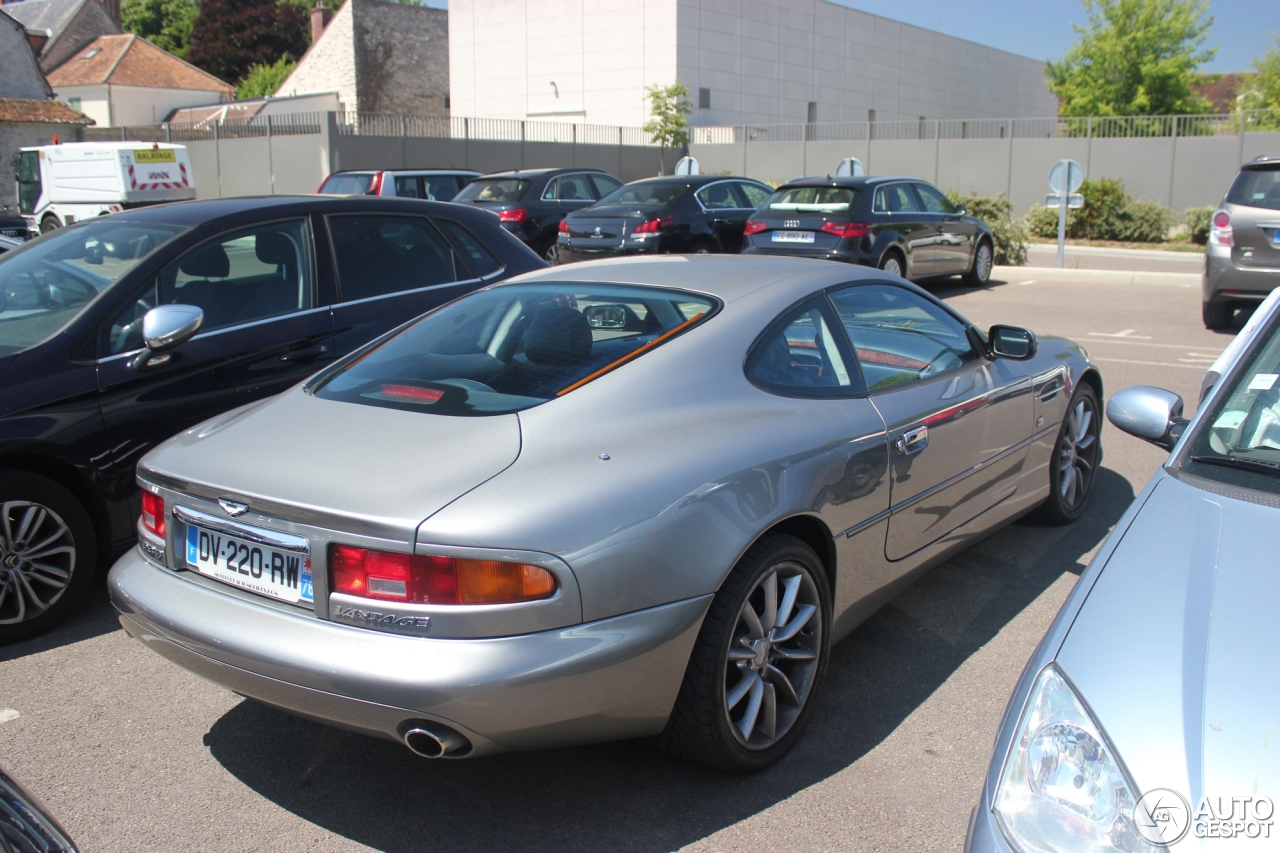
(754, 194)
(575, 188)
(240, 277)
(604, 184)
(378, 255)
(898, 198)
(718, 196)
(551, 192)
(934, 201)
(482, 261)
(899, 336)
(800, 356)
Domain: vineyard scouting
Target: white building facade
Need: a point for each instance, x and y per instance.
(744, 61)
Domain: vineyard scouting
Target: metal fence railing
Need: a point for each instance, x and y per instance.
(228, 126)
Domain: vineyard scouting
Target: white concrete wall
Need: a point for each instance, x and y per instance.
(114, 106)
(763, 60)
(330, 64)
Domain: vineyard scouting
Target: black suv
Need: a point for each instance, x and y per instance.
(531, 202)
(902, 225)
(120, 331)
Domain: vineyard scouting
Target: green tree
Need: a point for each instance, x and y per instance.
(668, 105)
(1136, 57)
(264, 79)
(1263, 91)
(231, 36)
(164, 23)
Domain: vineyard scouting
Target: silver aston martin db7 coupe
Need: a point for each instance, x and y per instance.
(634, 497)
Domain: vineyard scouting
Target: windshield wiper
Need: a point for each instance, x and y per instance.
(1259, 466)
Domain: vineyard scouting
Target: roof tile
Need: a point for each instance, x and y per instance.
(45, 112)
(129, 60)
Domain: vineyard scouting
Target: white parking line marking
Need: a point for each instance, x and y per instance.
(7, 714)
(1032, 281)
(1128, 343)
(1151, 363)
(1127, 333)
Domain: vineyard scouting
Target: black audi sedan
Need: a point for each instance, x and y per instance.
(689, 214)
(119, 332)
(903, 225)
(531, 203)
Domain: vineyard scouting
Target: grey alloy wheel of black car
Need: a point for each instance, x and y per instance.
(1076, 456)
(892, 264)
(757, 666)
(47, 554)
(551, 252)
(983, 260)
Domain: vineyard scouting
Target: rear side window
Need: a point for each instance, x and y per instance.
(605, 184)
(493, 189)
(348, 183)
(575, 188)
(800, 356)
(511, 347)
(381, 255)
(439, 187)
(896, 198)
(1257, 188)
(754, 194)
(482, 261)
(719, 197)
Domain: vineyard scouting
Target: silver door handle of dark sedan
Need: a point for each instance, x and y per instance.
(913, 441)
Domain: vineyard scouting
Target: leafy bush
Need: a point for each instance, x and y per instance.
(1198, 220)
(264, 79)
(1143, 222)
(1009, 235)
(1109, 213)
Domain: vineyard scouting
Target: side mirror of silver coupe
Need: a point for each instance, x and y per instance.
(1012, 342)
(1150, 413)
(163, 328)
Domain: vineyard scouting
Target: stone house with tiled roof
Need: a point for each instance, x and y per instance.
(120, 80)
(28, 114)
(379, 56)
(60, 28)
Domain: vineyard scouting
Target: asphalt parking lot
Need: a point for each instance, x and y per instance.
(133, 754)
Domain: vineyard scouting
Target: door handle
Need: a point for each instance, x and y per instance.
(305, 354)
(913, 441)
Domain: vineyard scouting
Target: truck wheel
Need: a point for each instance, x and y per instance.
(49, 223)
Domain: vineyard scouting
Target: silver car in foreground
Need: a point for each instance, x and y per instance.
(626, 498)
(1146, 718)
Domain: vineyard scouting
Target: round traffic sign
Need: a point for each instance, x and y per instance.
(1066, 172)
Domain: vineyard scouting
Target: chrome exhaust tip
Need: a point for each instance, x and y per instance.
(434, 740)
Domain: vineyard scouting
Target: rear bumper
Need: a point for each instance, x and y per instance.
(1244, 284)
(848, 257)
(568, 255)
(606, 680)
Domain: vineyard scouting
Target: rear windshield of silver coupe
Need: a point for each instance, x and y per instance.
(514, 347)
(812, 200)
(350, 183)
(493, 189)
(1257, 188)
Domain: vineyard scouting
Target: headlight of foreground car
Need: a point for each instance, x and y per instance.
(1063, 789)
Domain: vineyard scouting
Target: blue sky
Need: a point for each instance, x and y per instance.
(1041, 29)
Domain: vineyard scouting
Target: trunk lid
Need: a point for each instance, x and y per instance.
(606, 227)
(1257, 236)
(366, 469)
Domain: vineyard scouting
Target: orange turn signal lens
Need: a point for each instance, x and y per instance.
(422, 579)
(490, 582)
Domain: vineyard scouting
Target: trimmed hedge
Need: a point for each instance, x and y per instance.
(1199, 220)
(1009, 234)
(1109, 213)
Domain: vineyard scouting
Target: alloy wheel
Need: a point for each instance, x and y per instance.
(552, 254)
(1078, 453)
(982, 263)
(773, 656)
(892, 267)
(37, 558)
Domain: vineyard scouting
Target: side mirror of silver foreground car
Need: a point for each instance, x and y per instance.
(1151, 413)
(1012, 342)
(163, 328)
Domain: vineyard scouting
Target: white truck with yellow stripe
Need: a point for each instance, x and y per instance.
(61, 184)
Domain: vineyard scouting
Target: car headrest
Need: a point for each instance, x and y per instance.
(558, 335)
(209, 261)
(272, 247)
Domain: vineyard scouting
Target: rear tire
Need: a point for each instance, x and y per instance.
(1217, 315)
(980, 273)
(758, 672)
(48, 554)
(892, 263)
(49, 223)
(1074, 464)
(702, 247)
(551, 252)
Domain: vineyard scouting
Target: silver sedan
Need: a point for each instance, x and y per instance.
(1146, 716)
(603, 501)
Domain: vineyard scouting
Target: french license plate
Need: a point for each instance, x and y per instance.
(793, 236)
(285, 575)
